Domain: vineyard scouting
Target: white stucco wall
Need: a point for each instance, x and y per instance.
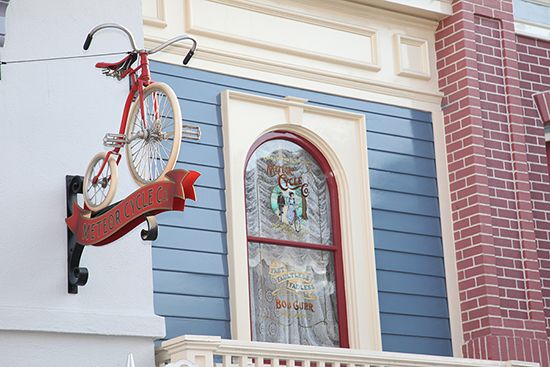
(53, 116)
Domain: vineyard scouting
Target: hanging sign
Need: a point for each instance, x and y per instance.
(124, 216)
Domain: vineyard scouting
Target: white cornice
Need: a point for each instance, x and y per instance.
(271, 67)
(81, 322)
(427, 9)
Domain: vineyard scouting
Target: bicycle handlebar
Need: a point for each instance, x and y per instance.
(174, 40)
(132, 41)
(109, 25)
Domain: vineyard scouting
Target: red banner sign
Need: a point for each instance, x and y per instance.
(129, 213)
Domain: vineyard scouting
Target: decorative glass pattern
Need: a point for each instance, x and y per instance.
(287, 196)
(292, 288)
(293, 295)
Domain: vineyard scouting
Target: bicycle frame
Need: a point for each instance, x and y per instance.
(137, 83)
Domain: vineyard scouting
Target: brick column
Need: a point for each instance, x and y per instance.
(534, 69)
(494, 230)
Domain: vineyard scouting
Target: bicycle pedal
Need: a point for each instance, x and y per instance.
(114, 140)
(191, 132)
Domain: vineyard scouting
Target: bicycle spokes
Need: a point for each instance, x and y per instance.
(149, 157)
(100, 181)
(158, 112)
(96, 191)
(152, 148)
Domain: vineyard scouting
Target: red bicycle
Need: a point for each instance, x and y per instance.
(151, 130)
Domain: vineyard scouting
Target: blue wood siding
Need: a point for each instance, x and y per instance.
(407, 235)
(189, 258)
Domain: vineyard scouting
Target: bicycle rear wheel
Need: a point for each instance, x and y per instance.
(99, 193)
(154, 141)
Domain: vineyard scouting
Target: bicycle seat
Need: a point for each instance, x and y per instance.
(127, 61)
(116, 69)
(107, 65)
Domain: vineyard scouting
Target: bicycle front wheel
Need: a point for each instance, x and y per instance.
(154, 137)
(100, 185)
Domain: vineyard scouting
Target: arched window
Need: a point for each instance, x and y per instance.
(294, 245)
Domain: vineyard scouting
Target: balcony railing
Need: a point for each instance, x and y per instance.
(212, 351)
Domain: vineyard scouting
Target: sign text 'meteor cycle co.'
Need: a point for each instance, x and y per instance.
(124, 216)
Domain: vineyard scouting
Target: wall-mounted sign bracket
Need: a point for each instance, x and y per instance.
(100, 228)
(152, 231)
(78, 276)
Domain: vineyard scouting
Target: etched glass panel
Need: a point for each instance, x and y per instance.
(287, 196)
(293, 295)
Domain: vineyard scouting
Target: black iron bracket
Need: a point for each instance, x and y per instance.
(152, 231)
(77, 276)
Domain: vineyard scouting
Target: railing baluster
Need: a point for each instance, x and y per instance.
(259, 354)
(243, 361)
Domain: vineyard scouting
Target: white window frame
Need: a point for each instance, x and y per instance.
(341, 137)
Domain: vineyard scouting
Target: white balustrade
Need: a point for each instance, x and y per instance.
(212, 351)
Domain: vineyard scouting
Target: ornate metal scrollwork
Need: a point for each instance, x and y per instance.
(77, 276)
(152, 231)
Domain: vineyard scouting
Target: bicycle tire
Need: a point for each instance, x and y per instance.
(99, 195)
(154, 145)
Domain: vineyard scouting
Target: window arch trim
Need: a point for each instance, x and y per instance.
(246, 117)
(336, 248)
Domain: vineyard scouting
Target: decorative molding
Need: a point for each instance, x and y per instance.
(295, 112)
(345, 148)
(411, 57)
(236, 37)
(202, 20)
(3, 8)
(158, 19)
(367, 10)
(202, 349)
(81, 322)
(274, 68)
(424, 9)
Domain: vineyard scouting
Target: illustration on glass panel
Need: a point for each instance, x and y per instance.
(287, 197)
(293, 295)
(292, 288)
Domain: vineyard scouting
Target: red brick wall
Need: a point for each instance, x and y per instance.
(534, 70)
(496, 198)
